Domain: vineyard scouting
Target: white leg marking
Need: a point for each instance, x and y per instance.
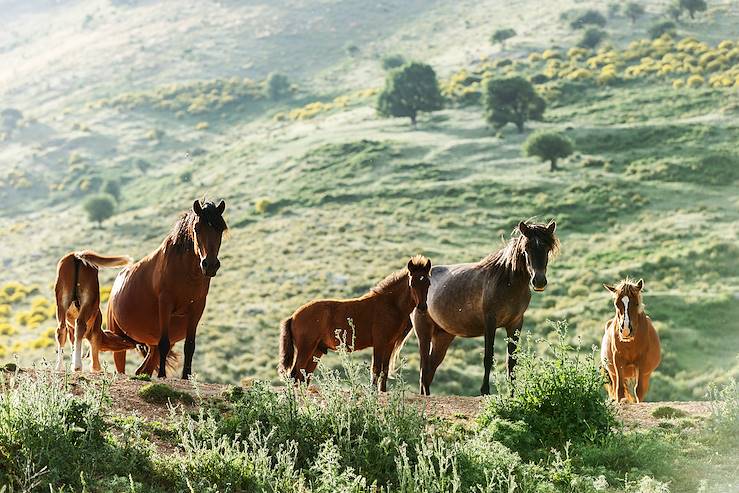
(626, 323)
(59, 358)
(77, 360)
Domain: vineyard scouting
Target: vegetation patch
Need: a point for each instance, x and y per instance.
(667, 412)
(160, 393)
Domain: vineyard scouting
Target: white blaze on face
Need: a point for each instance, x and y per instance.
(625, 328)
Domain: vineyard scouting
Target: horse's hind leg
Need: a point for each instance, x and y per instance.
(87, 308)
(62, 305)
(423, 325)
(150, 363)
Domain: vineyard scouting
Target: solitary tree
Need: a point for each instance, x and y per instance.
(511, 100)
(591, 38)
(548, 146)
(408, 90)
(633, 11)
(112, 188)
(99, 207)
(277, 86)
(501, 35)
(693, 6)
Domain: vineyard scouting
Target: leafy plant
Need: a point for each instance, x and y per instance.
(410, 89)
(511, 100)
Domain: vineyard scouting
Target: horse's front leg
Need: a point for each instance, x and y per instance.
(423, 326)
(487, 360)
(165, 314)
(195, 312)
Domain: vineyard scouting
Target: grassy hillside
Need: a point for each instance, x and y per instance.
(325, 200)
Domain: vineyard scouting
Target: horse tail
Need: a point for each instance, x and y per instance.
(399, 345)
(287, 348)
(173, 357)
(113, 342)
(97, 261)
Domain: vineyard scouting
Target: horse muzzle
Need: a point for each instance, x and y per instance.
(210, 268)
(422, 307)
(539, 284)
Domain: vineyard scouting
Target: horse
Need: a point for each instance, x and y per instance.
(630, 349)
(160, 299)
(379, 319)
(474, 299)
(77, 292)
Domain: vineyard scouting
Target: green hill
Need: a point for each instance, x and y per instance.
(324, 198)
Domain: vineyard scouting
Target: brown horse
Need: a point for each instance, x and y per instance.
(77, 292)
(159, 300)
(473, 300)
(378, 319)
(630, 349)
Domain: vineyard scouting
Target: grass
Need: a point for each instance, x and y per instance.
(667, 412)
(160, 393)
(263, 440)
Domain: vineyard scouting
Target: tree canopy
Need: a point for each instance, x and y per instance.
(511, 100)
(548, 146)
(409, 90)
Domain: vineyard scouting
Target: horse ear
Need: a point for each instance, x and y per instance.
(221, 207)
(427, 267)
(411, 266)
(524, 228)
(552, 226)
(609, 288)
(640, 284)
(196, 208)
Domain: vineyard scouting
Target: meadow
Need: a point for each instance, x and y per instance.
(325, 198)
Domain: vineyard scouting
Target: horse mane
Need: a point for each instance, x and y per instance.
(510, 256)
(182, 238)
(391, 280)
(628, 287)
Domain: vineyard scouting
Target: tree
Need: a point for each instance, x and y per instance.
(511, 100)
(548, 146)
(660, 28)
(693, 6)
(278, 86)
(392, 61)
(99, 207)
(501, 35)
(633, 11)
(408, 90)
(591, 38)
(588, 18)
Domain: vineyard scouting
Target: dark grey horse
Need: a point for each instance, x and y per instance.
(473, 300)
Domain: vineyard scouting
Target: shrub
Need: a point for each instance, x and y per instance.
(661, 28)
(511, 100)
(261, 206)
(588, 18)
(277, 86)
(409, 90)
(392, 61)
(160, 393)
(501, 36)
(558, 396)
(202, 126)
(548, 146)
(667, 412)
(591, 38)
(99, 207)
(695, 81)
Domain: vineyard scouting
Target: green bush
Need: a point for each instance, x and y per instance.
(502, 35)
(591, 38)
(548, 146)
(664, 27)
(588, 18)
(99, 207)
(160, 393)
(633, 11)
(277, 86)
(559, 396)
(390, 62)
(693, 6)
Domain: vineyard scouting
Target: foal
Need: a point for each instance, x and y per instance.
(630, 349)
(77, 292)
(379, 319)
